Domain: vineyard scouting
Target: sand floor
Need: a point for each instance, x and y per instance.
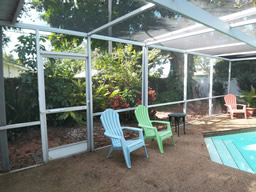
(184, 167)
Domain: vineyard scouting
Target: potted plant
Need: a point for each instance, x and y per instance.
(249, 97)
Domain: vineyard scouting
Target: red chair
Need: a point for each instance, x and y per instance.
(231, 104)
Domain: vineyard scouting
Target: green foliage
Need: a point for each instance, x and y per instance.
(62, 42)
(5, 39)
(21, 98)
(62, 90)
(249, 97)
(220, 77)
(242, 71)
(26, 49)
(87, 15)
(120, 75)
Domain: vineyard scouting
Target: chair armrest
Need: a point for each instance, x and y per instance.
(132, 128)
(145, 126)
(229, 106)
(112, 136)
(149, 127)
(135, 129)
(244, 106)
(116, 137)
(163, 122)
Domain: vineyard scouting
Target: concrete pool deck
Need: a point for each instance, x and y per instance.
(184, 167)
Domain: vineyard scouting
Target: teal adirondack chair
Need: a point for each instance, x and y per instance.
(151, 132)
(113, 130)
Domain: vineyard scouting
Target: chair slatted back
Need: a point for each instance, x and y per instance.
(142, 116)
(111, 124)
(230, 99)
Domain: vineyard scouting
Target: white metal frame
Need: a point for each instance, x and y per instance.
(195, 13)
(181, 6)
(41, 92)
(123, 18)
(210, 87)
(230, 17)
(185, 82)
(41, 97)
(144, 95)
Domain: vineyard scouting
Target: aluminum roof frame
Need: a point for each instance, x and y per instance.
(226, 18)
(101, 37)
(121, 19)
(10, 10)
(193, 14)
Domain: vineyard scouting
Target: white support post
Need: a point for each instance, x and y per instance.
(229, 75)
(89, 99)
(145, 77)
(110, 44)
(185, 82)
(211, 86)
(3, 133)
(41, 96)
(203, 17)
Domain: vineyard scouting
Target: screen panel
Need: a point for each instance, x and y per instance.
(242, 76)
(20, 76)
(197, 110)
(220, 77)
(117, 83)
(24, 147)
(198, 77)
(218, 106)
(166, 76)
(66, 128)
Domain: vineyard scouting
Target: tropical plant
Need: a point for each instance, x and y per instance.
(26, 49)
(120, 75)
(249, 97)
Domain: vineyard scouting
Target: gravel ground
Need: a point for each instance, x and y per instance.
(184, 167)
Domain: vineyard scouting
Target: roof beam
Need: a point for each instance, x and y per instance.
(124, 17)
(175, 34)
(172, 36)
(230, 17)
(203, 17)
(236, 53)
(43, 28)
(17, 11)
(216, 47)
(244, 59)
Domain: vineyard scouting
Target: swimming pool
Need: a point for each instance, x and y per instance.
(236, 150)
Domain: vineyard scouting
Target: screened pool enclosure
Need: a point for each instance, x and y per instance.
(86, 56)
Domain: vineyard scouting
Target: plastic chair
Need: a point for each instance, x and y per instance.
(113, 130)
(231, 104)
(151, 132)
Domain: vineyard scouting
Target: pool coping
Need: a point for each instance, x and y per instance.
(228, 132)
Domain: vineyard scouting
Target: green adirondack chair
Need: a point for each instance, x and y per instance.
(151, 132)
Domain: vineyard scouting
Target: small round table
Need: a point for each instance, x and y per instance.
(177, 117)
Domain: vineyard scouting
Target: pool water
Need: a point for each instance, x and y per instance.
(236, 150)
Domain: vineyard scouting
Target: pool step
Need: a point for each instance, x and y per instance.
(224, 153)
(238, 157)
(214, 155)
